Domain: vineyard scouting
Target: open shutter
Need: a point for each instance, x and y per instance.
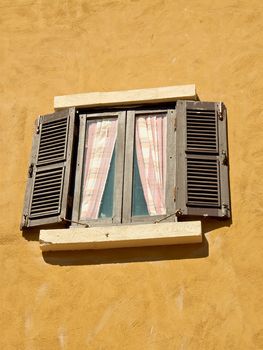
(48, 186)
(202, 182)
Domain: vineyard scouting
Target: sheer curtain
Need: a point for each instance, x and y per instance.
(100, 140)
(151, 154)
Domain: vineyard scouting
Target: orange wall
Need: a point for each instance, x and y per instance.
(205, 296)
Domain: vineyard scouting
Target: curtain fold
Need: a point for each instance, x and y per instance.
(151, 141)
(100, 141)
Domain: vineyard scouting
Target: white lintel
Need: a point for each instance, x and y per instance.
(121, 236)
(127, 97)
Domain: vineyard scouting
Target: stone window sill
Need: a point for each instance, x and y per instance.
(121, 236)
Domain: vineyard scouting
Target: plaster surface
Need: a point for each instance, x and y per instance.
(202, 296)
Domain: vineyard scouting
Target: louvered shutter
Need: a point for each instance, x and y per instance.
(48, 186)
(202, 182)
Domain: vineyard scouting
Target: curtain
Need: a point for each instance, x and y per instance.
(151, 154)
(100, 140)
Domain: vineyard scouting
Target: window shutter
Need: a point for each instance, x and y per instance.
(48, 186)
(202, 182)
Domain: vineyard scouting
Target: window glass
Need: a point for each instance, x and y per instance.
(98, 169)
(139, 206)
(149, 172)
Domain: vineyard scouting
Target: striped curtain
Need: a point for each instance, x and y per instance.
(151, 154)
(100, 140)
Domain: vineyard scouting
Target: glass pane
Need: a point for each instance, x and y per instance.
(98, 169)
(149, 172)
(139, 206)
(106, 206)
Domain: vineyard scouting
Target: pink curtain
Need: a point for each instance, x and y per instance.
(100, 140)
(151, 154)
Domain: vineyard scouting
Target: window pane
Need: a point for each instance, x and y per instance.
(149, 173)
(106, 206)
(139, 206)
(99, 166)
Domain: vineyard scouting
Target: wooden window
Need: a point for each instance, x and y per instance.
(129, 166)
(106, 192)
(136, 203)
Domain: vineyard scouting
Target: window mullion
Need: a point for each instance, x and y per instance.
(171, 157)
(119, 169)
(128, 168)
(79, 168)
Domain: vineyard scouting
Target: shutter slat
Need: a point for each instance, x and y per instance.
(52, 145)
(197, 122)
(39, 195)
(51, 138)
(50, 151)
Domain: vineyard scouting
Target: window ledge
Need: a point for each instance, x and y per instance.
(121, 236)
(127, 97)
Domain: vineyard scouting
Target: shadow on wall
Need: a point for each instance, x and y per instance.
(128, 255)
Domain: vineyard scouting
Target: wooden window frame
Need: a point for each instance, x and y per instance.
(129, 167)
(118, 173)
(123, 178)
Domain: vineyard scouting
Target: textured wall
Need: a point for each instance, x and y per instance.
(204, 296)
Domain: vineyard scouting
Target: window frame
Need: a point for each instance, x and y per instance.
(129, 167)
(123, 177)
(118, 173)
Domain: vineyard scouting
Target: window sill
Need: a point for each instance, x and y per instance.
(122, 236)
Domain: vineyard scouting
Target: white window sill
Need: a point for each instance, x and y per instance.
(121, 236)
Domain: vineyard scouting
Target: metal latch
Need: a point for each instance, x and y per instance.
(225, 209)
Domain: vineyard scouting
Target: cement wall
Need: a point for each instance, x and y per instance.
(204, 296)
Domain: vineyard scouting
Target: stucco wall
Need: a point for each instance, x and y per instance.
(206, 296)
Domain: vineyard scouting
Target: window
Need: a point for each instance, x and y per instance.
(128, 165)
(100, 166)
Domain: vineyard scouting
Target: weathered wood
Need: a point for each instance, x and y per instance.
(119, 169)
(224, 161)
(181, 189)
(170, 165)
(128, 169)
(121, 236)
(38, 166)
(128, 97)
(194, 162)
(79, 168)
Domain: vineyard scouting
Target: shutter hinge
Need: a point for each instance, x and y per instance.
(174, 194)
(30, 170)
(225, 210)
(25, 220)
(38, 125)
(224, 159)
(175, 123)
(220, 114)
